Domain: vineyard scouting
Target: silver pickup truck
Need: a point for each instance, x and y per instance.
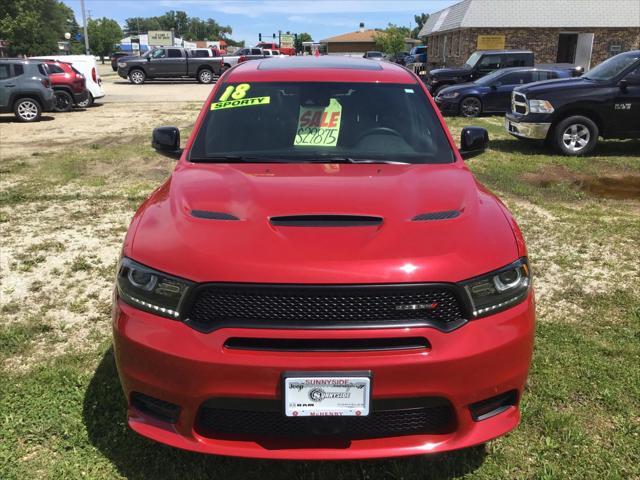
(169, 62)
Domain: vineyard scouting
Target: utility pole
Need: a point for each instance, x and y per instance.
(84, 22)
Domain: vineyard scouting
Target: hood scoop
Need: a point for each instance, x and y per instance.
(325, 221)
(444, 215)
(213, 215)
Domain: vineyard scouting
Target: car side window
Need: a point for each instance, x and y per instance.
(55, 69)
(199, 53)
(174, 53)
(490, 62)
(160, 53)
(256, 51)
(633, 77)
(513, 61)
(516, 78)
(4, 71)
(540, 76)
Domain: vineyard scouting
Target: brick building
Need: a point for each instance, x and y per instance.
(584, 32)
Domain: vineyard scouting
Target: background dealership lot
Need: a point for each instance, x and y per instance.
(68, 193)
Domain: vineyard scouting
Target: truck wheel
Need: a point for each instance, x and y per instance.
(471, 107)
(575, 135)
(86, 103)
(205, 76)
(63, 101)
(137, 77)
(27, 110)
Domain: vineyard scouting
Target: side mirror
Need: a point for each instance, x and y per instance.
(495, 86)
(623, 84)
(166, 141)
(473, 142)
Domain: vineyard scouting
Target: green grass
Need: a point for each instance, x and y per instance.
(63, 415)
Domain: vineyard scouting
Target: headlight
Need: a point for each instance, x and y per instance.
(450, 95)
(499, 290)
(150, 290)
(122, 64)
(540, 106)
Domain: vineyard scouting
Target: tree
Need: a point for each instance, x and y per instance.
(391, 40)
(34, 27)
(188, 28)
(104, 33)
(420, 21)
(302, 37)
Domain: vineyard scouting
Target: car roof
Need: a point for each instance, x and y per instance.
(327, 68)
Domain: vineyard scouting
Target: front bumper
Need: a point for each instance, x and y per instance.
(517, 128)
(448, 107)
(170, 361)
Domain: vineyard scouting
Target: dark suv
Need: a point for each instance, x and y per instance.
(25, 89)
(479, 64)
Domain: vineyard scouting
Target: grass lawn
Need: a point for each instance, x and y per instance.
(62, 412)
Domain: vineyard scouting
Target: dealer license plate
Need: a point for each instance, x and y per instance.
(326, 394)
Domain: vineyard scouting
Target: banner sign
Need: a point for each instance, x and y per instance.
(491, 42)
(158, 38)
(287, 40)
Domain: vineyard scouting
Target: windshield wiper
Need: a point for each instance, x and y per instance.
(237, 159)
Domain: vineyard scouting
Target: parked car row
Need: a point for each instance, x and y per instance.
(45, 84)
(547, 102)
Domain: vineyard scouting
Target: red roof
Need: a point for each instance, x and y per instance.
(326, 68)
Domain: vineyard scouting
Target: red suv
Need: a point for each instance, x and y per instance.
(69, 85)
(322, 277)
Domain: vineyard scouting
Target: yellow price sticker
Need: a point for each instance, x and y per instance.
(319, 126)
(245, 102)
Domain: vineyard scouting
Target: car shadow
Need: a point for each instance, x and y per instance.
(12, 119)
(135, 457)
(604, 148)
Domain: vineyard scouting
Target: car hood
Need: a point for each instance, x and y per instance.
(129, 58)
(449, 72)
(461, 87)
(556, 85)
(166, 235)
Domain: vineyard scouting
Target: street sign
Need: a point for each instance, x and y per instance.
(287, 40)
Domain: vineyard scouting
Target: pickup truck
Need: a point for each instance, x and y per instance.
(250, 53)
(572, 113)
(169, 62)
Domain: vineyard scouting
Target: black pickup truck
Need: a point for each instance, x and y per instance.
(169, 62)
(572, 113)
(479, 64)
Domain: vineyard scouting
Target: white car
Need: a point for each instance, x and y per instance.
(85, 64)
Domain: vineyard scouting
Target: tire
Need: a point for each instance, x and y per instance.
(137, 76)
(205, 76)
(576, 135)
(470, 107)
(63, 101)
(86, 103)
(27, 110)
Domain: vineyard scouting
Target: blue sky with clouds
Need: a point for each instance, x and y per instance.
(320, 18)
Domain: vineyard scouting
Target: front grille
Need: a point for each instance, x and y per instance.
(519, 103)
(217, 305)
(245, 424)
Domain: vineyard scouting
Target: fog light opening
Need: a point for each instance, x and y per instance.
(156, 408)
(491, 407)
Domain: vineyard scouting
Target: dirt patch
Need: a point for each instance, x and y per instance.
(618, 186)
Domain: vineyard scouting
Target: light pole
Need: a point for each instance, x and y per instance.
(86, 35)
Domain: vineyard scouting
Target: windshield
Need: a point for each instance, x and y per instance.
(329, 122)
(612, 67)
(374, 54)
(473, 59)
(488, 80)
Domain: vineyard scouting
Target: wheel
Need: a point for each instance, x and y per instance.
(86, 103)
(137, 77)
(27, 110)
(63, 101)
(575, 135)
(470, 107)
(205, 76)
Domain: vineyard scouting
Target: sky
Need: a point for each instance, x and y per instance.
(320, 18)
